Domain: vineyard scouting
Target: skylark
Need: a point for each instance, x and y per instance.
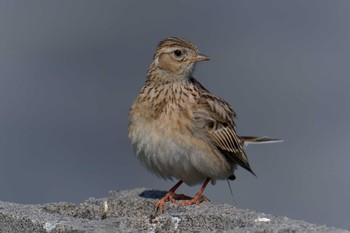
(179, 129)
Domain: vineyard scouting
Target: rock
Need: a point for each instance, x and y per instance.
(133, 211)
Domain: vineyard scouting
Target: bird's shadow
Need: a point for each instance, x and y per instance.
(153, 194)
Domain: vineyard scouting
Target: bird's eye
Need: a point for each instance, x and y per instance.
(177, 53)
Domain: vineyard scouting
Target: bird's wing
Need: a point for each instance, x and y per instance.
(215, 116)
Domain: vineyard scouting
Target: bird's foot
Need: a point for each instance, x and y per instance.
(182, 197)
(199, 198)
(170, 196)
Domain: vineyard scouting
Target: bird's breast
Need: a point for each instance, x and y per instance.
(168, 143)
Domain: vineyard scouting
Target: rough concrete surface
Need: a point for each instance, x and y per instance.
(133, 211)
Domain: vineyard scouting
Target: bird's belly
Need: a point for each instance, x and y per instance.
(170, 151)
(168, 160)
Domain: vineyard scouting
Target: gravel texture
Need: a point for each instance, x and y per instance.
(133, 211)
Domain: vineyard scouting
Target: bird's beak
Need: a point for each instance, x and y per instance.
(199, 57)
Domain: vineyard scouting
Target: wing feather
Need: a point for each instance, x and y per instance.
(217, 117)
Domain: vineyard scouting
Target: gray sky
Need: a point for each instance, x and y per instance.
(69, 71)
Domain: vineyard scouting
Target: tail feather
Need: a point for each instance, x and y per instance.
(246, 140)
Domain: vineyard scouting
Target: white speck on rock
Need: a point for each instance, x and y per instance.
(49, 226)
(175, 221)
(105, 207)
(262, 220)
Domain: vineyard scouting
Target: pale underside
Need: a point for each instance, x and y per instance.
(188, 143)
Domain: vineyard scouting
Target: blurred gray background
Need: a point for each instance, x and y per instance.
(69, 71)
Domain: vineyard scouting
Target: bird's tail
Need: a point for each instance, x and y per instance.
(246, 140)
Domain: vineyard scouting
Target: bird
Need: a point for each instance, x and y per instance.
(180, 130)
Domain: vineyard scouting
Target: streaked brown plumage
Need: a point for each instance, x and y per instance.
(181, 130)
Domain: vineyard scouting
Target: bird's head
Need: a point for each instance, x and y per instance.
(177, 56)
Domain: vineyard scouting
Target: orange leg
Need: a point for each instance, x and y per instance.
(170, 196)
(199, 197)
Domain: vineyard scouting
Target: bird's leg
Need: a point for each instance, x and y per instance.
(170, 196)
(199, 197)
